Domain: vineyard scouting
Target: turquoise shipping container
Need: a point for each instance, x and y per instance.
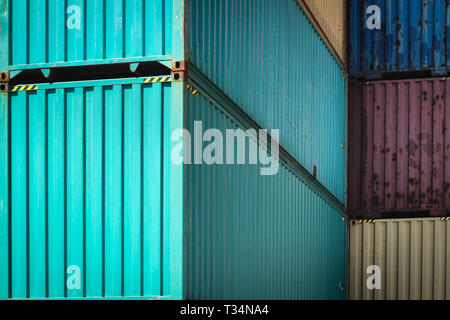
(267, 56)
(39, 34)
(93, 205)
(83, 208)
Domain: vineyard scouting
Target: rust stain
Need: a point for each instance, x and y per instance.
(415, 151)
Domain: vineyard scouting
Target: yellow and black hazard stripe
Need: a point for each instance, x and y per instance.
(192, 90)
(24, 88)
(445, 219)
(366, 221)
(158, 80)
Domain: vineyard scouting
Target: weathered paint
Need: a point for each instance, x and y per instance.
(271, 50)
(412, 37)
(53, 33)
(249, 236)
(88, 188)
(413, 256)
(399, 146)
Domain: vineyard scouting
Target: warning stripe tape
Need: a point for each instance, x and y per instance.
(366, 221)
(158, 79)
(445, 219)
(192, 90)
(24, 88)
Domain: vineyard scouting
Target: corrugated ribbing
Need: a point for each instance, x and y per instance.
(49, 31)
(268, 58)
(398, 36)
(412, 255)
(249, 236)
(85, 190)
(400, 145)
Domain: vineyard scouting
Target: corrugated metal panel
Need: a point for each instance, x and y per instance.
(82, 185)
(249, 236)
(400, 145)
(411, 36)
(331, 16)
(269, 59)
(46, 33)
(413, 257)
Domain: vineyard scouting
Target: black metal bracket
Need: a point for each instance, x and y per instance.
(178, 75)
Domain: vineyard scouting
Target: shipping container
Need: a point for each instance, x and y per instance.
(268, 57)
(392, 36)
(249, 236)
(399, 147)
(332, 19)
(94, 206)
(83, 210)
(405, 259)
(41, 34)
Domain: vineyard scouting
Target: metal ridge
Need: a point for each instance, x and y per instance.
(89, 83)
(209, 90)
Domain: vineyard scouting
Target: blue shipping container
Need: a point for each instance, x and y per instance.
(399, 36)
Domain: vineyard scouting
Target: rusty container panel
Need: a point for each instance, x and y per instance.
(331, 16)
(399, 147)
(392, 36)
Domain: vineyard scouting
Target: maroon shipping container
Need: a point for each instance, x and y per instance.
(399, 147)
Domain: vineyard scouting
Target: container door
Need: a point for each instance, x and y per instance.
(83, 186)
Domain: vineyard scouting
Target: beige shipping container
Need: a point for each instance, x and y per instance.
(331, 15)
(412, 257)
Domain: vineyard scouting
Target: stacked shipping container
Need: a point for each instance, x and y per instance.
(88, 188)
(412, 254)
(398, 148)
(398, 36)
(400, 130)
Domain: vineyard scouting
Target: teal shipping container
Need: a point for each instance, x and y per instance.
(94, 206)
(87, 205)
(269, 58)
(40, 34)
(266, 55)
